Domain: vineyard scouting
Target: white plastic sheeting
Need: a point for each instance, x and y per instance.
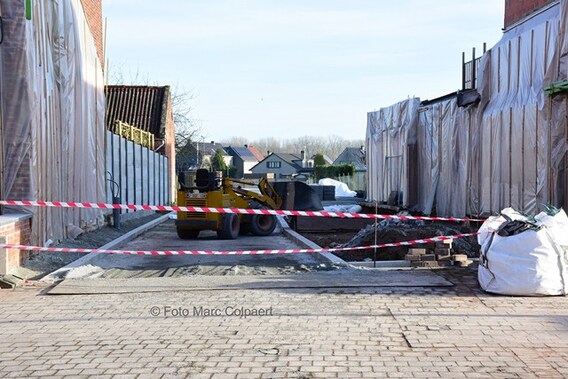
(341, 189)
(344, 208)
(521, 134)
(390, 132)
(442, 156)
(52, 114)
(509, 150)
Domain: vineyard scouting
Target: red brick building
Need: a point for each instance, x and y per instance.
(516, 10)
(94, 12)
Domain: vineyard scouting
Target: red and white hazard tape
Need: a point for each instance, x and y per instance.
(235, 252)
(134, 207)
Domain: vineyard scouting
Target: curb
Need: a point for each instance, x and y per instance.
(328, 258)
(61, 272)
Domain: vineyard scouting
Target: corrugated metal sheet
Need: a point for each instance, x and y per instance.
(140, 106)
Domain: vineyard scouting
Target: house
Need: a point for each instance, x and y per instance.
(243, 160)
(284, 165)
(51, 119)
(257, 154)
(518, 10)
(207, 151)
(148, 109)
(353, 155)
(196, 154)
(506, 149)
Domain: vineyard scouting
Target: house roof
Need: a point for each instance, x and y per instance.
(256, 153)
(209, 148)
(353, 155)
(291, 159)
(244, 153)
(143, 107)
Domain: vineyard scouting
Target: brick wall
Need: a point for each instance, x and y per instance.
(170, 147)
(94, 11)
(15, 229)
(515, 10)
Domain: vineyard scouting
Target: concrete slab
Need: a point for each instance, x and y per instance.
(348, 278)
(163, 237)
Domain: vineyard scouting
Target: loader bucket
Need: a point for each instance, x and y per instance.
(297, 196)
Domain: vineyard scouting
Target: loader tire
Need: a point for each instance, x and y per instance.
(262, 225)
(230, 227)
(187, 234)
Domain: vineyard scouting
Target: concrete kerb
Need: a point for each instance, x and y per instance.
(61, 272)
(327, 258)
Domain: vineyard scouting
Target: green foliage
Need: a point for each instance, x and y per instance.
(333, 171)
(232, 172)
(218, 163)
(319, 160)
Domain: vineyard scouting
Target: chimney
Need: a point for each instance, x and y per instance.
(212, 142)
(247, 146)
(267, 152)
(303, 154)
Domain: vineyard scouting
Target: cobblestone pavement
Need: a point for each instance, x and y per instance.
(449, 332)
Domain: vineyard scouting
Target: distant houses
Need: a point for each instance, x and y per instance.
(197, 154)
(207, 151)
(355, 156)
(244, 158)
(284, 166)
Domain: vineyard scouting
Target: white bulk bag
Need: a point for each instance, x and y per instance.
(531, 263)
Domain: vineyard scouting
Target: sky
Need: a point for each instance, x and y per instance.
(291, 68)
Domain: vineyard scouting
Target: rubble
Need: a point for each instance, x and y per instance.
(395, 230)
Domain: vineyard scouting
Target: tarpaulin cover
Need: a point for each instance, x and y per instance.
(52, 114)
(508, 150)
(389, 132)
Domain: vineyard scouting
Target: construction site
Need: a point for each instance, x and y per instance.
(131, 247)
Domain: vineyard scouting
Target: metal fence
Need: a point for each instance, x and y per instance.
(355, 182)
(140, 175)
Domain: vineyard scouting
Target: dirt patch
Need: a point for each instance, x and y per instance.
(388, 231)
(39, 264)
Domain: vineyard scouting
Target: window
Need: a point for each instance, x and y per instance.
(273, 164)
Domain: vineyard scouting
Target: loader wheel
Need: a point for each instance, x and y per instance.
(262, 225)
(187, 234)
(230, 227)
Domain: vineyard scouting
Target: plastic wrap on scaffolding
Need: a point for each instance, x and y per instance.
(443, 142)
(52, 114)
(389, 133)
(510, 150)
(522, 133)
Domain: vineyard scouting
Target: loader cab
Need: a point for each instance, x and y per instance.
(205, 181)
(208, 181)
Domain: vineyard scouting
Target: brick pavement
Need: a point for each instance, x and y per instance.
(451, 332)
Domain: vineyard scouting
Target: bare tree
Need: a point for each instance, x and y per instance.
(187, 128)
(235, 141)
(331, 146)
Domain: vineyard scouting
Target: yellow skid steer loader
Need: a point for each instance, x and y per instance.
(213, 191)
